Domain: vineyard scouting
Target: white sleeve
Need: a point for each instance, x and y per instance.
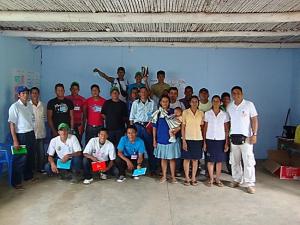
(112, 152)
(13, 114)
(227, 119)
(133, 111)
(253, 111)
(182, 106)
(75, 144)
(206, 117)
(88, 148)
(51, 148)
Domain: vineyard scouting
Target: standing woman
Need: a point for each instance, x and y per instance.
(163, 149)
(216, 139)
(192, 140)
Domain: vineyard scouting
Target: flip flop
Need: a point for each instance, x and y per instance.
(187, 183)
(219, 184)
(194, 183)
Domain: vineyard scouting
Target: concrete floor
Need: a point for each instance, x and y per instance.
(146, 202)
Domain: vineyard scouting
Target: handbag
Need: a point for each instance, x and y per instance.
(237, 139)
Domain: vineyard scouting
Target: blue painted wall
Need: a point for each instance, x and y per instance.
(15, 53)
(265, 74)
(295, 106)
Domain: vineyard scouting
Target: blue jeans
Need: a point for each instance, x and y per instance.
(115, 135)
(76, 162)
(148, 141)
(91, 132)
(28, 139)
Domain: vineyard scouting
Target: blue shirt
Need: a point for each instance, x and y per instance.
(129, 149)
(162, 131)
(141, 112)
(135, 85)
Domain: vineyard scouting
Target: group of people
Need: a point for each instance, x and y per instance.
(138, 122)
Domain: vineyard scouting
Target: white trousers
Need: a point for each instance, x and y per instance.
(244, 152)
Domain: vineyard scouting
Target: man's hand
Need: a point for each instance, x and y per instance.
(94, 159)
(139, 166)
(54, 168)
(16, 144)
(80, 130)
(154, 143)
(184, 145)
(253, 139)
(226, 147)
(130, 166)
(66, 158)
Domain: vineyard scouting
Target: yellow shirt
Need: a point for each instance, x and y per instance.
(193, 124)
(157, 89)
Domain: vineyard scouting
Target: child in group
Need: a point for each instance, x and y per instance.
(174, 121)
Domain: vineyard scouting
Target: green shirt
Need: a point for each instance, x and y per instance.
(205, 107)
(157, 89)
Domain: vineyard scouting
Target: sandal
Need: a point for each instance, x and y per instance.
(162, 180)
(194, 183)
(19, 187)
(174, 181)
(187, 183)
(210, 183)
(219, 184)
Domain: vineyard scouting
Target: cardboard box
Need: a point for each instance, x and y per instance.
(281, 164)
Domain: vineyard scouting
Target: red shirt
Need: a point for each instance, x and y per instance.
(94, 107)
(78, 102)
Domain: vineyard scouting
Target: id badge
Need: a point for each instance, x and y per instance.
(76, 108)
(134, 157)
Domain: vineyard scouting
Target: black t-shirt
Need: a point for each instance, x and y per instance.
(61, 111)
(115, 114)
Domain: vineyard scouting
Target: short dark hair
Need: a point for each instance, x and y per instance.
(178, 108)
(204, 90)
(215, 96)
(134, 88)
(95, 86)
(59, 85)
(189, 87)
(194, 96)
(34, 88)
(161, 72)
(103, 129)
(131, 127)
(225, 94)
(236, 88)
(74, 84)
(121, 68)
(173, 89)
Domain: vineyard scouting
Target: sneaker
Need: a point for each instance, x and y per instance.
(251, 190)
(88, 181)
(75, 180)
(103, 176)
(121, 179)
(136, 178)
(234, 184)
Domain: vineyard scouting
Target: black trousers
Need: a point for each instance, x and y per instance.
(122, 165)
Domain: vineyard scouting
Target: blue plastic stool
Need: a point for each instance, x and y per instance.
(6, 158)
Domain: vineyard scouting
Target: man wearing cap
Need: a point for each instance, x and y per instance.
(204, 103)
(138, 82)
(92, 113)
(99, 149)
(64, 147)
(243, 135)
(78, 102)
(119, 82)
(59, 110)
(115, 115)
(21, 123)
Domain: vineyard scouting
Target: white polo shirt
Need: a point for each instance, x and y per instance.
(39, 111)
(240, 117)
(215, 125)
(101, 152)
(177, 104)
(61, 149)
(22, 116)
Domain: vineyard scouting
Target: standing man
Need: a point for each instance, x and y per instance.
(120, 82)
(243, 132)
(158, 88)
(59, 110)
(188, 93)
(173, 95)
(92, 113)
(78, 102)
(140, 116)
(21, 124)
(204, 103)
(115, 115)
(40, 113)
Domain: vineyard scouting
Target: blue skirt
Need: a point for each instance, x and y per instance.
(215, 151)
(194, 150)
(169, 151)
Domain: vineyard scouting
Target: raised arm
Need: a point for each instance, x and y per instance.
(103, 75)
